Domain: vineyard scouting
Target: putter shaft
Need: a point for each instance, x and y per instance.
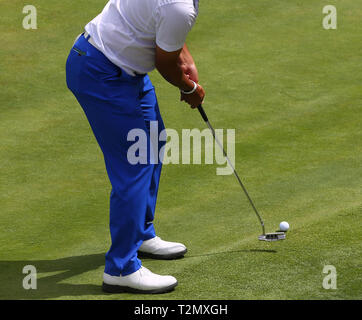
(204, 116)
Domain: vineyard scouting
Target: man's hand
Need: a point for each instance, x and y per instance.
(194, 99)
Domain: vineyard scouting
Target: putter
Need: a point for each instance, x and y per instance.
(275, 236)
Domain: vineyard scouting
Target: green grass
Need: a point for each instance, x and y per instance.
(291, 90)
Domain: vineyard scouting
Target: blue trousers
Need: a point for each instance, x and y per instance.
(115, 103)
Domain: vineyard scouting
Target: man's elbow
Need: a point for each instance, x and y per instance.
(160, 66)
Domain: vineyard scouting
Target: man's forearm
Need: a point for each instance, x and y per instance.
(187, 64)
(168, 64)
(175, 76)
(185, 57)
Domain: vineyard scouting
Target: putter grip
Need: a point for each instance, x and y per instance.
(202, 112)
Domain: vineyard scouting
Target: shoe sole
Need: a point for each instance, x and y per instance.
(110, 288)
(170, 256)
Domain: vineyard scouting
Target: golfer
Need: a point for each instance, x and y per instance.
(107, 73)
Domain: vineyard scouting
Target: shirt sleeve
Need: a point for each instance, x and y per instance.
(174, 22)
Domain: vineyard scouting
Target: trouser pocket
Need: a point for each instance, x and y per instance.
(74, 65)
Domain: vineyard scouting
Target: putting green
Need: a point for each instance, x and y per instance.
(290, 89)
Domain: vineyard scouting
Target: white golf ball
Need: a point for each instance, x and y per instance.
(284, 226)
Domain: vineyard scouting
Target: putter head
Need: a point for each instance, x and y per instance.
(274, 236)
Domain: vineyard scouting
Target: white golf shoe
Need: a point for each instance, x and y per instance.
(157, 248)
(141, 281)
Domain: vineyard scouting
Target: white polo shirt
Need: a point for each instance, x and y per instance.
(127, 31)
